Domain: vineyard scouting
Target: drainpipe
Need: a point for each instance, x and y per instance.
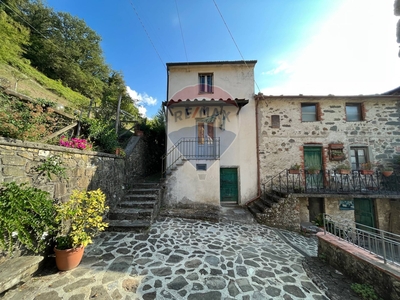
(256, 98)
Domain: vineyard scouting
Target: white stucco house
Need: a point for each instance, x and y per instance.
(211, 156)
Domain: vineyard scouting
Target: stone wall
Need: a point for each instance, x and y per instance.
(360, 266)
(85, 170)
(281, 144)
(284, 214)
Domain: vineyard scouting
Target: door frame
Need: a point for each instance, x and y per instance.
(238, 184)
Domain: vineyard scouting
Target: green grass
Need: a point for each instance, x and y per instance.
(37, 85)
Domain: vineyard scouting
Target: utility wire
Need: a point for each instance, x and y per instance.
(31, 26)
(148, 36)
(180, 25)
(237, 47)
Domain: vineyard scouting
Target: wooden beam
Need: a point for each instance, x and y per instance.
(59, 132)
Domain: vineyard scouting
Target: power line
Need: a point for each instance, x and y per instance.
(237, 47)
(148, 36)
(180, 25)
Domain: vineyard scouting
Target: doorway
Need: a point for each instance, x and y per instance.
(315, 207)
(364, 212)
(229, 185)
(313, 159)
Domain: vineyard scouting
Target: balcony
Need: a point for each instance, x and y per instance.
(328, 182)
(191, 148)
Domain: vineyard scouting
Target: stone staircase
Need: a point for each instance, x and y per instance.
(139, 208)
(276, 209)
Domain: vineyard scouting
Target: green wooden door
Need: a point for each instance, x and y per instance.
(313, 158)
(364, 211)
(229, 185)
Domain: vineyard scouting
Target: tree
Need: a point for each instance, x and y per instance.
(13, 37)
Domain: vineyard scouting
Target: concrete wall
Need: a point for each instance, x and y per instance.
(238, 137)
(360, 266)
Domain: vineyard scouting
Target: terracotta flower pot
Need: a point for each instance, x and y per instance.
(293, 171)
(367, 172)
(344, 171)
(387, 173)
(68, 259)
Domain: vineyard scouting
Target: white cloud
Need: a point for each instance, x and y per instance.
(355, 52)
(283, 67)
(141, 100)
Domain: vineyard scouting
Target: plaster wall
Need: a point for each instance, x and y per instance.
(229, 80)
(237, 138)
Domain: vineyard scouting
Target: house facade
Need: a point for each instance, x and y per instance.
(324, 133)
(211, 156)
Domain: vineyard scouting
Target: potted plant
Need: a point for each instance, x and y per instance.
(343, 169)
(337, 155)
(80, 218)
(294, 169)
(387, 171)
(367, 168)
(313, 169)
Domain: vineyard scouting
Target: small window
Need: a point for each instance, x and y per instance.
(201, 167)
(354, 112)
(205, 83)
(275, 121)
(358, 156)
(309, 112)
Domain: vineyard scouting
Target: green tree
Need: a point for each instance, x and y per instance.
(13, 37)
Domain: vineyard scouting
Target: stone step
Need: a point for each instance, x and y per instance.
(144, 197)
(143, 191)
(145, 185)
(130, 214)
(273, 197)
(137, 204)
(128, 225)
(254, 209)
(16, 270)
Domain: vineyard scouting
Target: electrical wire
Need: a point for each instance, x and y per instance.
(237, 47)
(148, 36)
(180, 25)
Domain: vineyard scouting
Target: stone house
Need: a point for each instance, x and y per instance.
(325, 132)
(227, 145)
(211, 155)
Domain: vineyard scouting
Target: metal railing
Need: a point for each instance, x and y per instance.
(333, 182)
(385, 245)
(191, 148)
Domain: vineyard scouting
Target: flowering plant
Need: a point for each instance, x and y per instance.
(75, 143)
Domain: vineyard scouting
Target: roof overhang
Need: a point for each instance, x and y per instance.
(239, 103)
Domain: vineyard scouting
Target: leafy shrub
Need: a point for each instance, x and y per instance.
(101, 133)
(27, 216)
(52, 165)
(81, 218)
(366, 291)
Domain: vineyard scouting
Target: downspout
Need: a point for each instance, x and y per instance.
(256, 98)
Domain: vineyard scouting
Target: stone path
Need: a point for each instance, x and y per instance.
(182, 259)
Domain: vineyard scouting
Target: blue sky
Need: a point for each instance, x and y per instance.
(309, 47)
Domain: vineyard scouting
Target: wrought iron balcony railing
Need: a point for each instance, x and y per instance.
(191, 148)
(333, 182)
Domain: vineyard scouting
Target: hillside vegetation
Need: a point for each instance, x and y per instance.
(60, 53)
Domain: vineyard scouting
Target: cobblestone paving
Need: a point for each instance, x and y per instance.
(182, 259)
(309, 245)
